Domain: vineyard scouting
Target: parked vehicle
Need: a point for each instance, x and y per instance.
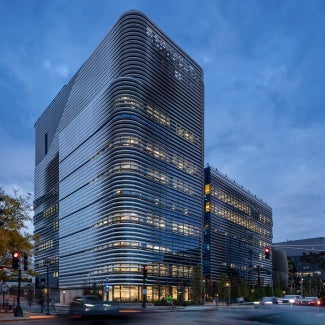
(291, 299)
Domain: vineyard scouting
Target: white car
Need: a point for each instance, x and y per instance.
(291, 299)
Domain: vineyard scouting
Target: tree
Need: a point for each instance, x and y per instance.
(317, 259)
(197, 284)
(244, 287)
(222, 288)
(15, 213)
(277, 287)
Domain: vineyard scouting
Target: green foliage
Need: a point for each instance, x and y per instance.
(277, 288)
(244, 289)
(314, 259)
(222, 288)
(197, 288)
(15, 214)
(268, 291)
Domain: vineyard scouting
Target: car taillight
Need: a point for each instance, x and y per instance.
(318, 302)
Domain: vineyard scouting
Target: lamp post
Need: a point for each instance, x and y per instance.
(47, 287)
(228, 285)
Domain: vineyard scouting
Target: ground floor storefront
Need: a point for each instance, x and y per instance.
(129, 293)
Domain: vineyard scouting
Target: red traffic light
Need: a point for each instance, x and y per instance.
(15, 260)
(267, 252)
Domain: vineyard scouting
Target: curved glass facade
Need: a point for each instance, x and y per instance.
(237, 229)
(128, 174)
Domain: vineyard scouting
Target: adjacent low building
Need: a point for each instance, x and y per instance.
(237, 229)
(303, 278)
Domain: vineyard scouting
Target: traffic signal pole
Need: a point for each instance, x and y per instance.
(144, 289)
(18, 310)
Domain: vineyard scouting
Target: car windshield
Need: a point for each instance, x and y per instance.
(91, 299)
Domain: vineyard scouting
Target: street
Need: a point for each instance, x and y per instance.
(273, 314)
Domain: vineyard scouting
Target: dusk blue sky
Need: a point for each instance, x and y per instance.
(264, 75)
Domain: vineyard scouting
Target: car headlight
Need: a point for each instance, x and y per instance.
(89, 305)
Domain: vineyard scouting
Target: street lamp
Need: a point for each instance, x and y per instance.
(228, 285)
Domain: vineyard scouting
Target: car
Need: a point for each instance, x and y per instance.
(311, 301)
(270, 300)
(89, 305)
(291, 299)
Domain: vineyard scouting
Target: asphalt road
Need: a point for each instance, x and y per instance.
(274, 314)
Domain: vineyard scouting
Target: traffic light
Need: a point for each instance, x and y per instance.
(25, 262)
(145, 273)
(267, 252)
(15, 260)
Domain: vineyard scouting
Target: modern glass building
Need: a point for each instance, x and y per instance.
(237, 229)
(119, 169)
(304, 278)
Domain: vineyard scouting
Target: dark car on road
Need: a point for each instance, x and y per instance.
(270, 300)
(89, 306)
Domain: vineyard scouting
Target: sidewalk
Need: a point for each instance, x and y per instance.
(32, 312)
(10, 317)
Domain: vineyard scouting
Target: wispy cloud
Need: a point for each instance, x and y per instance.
(60, 69)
